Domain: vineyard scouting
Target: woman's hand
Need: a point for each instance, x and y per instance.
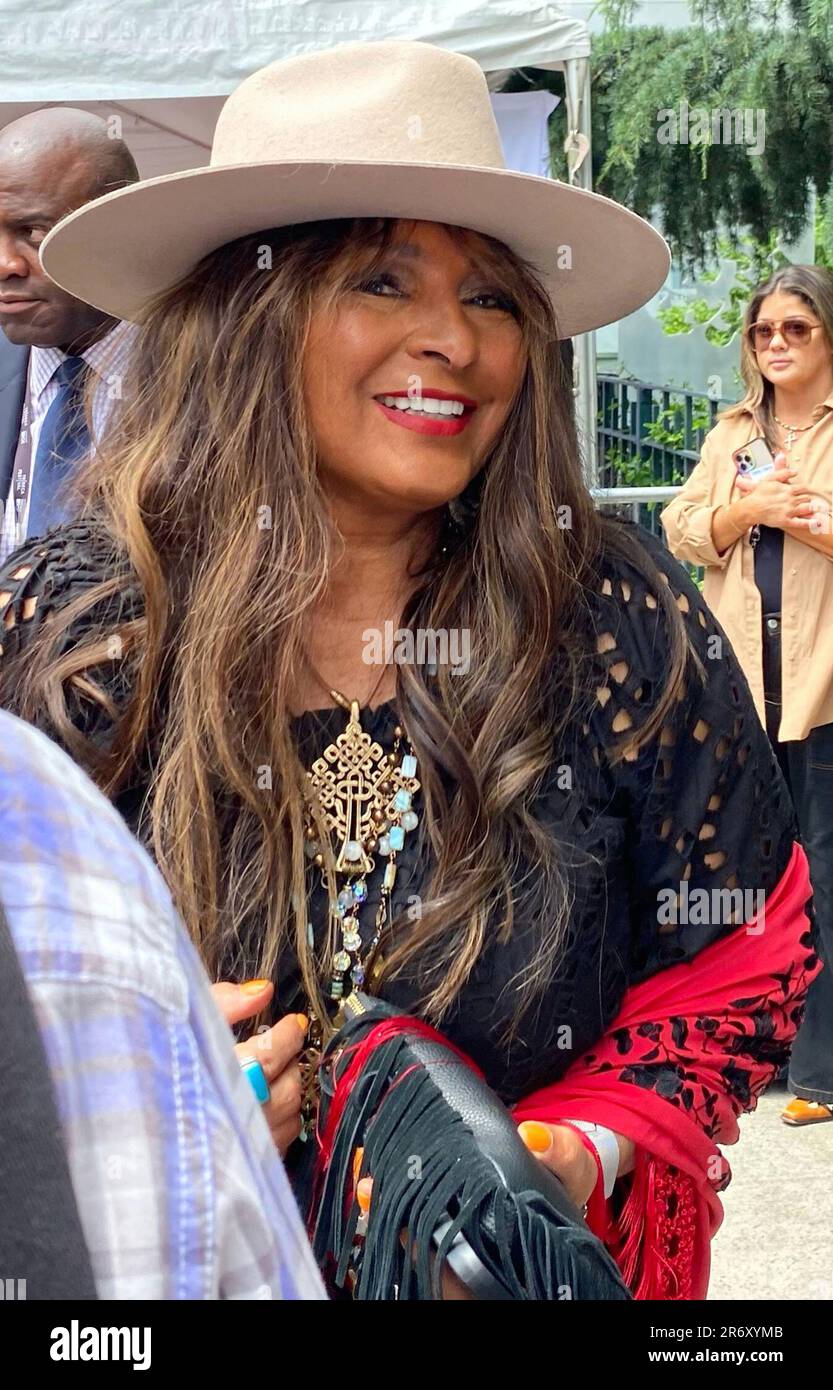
(276, 1049)
(560, 1148)
(453, 1288)
(776, 500)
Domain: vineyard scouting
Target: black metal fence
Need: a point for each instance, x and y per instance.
(650, 436)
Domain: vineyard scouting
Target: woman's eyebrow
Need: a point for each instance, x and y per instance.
(25, 219)
(405, 249)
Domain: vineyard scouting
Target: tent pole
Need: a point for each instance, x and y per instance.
(577, 84)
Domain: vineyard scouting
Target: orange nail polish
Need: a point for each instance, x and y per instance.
(302, 1022)
(363, 1195)
(254, 986)
(357, 1164)
(536, 1137)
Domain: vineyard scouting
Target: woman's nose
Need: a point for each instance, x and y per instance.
(447, 333)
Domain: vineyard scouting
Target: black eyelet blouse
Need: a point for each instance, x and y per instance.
(702, 806)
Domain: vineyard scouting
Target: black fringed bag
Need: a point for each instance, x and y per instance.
(452, 1179)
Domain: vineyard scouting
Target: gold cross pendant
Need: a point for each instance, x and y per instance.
(347, 782)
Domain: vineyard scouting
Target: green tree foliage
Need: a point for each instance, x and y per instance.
(754, 262)
(738, 56)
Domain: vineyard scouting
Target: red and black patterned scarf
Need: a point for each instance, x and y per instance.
(690, 1050)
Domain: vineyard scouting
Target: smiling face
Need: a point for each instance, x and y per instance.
(410, 376)
(789, 364)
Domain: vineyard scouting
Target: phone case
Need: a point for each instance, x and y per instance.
(753, 460)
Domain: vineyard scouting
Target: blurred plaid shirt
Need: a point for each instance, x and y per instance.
(181, 1191)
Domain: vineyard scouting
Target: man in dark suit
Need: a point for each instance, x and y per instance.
(51, 162)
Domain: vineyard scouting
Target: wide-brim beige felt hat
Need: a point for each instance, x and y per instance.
(390, 129)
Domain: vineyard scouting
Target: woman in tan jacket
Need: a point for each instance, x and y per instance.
(767, 549)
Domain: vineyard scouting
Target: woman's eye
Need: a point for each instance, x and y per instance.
(498, 301)
(386, 285)
(370, 286)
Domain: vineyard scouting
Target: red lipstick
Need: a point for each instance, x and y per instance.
(429, 424)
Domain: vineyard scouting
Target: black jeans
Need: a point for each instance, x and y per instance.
(807, 765)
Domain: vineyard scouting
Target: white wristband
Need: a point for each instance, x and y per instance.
(606, 1144)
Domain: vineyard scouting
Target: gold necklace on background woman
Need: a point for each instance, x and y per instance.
(365, 796)
(790, 431)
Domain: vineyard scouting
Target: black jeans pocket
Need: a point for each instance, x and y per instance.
(820, 751)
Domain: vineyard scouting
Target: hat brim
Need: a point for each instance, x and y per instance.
(597, 260)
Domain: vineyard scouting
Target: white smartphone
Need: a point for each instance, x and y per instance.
(754, 460)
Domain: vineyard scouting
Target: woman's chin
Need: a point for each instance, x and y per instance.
(418, 491)
(785, 376)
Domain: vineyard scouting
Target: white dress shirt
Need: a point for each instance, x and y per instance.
(108, 359)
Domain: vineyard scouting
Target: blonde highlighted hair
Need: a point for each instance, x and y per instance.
(812, 284)
(213, 428)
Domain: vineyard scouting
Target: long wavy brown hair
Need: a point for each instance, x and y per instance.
(212, 431)
(814, 285)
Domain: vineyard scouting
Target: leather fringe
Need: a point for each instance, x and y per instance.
(428, 1174)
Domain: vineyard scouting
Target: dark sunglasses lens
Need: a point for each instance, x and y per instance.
(761, 334)
(796, 330)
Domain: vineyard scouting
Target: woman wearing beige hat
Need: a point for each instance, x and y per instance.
(342, 634)
(767, 548)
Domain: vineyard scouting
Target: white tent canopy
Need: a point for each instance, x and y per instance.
(99, 50)
(165, 71)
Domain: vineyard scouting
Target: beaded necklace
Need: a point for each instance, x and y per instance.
(365, 796)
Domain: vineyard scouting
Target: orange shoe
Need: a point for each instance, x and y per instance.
(806, 1112)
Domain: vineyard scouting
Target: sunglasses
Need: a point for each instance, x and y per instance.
(796, 332)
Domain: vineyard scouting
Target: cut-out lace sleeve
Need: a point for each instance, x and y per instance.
(44, 576)
(710, 823)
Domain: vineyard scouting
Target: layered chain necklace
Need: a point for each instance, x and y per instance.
(792, 430)
(365, 796)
